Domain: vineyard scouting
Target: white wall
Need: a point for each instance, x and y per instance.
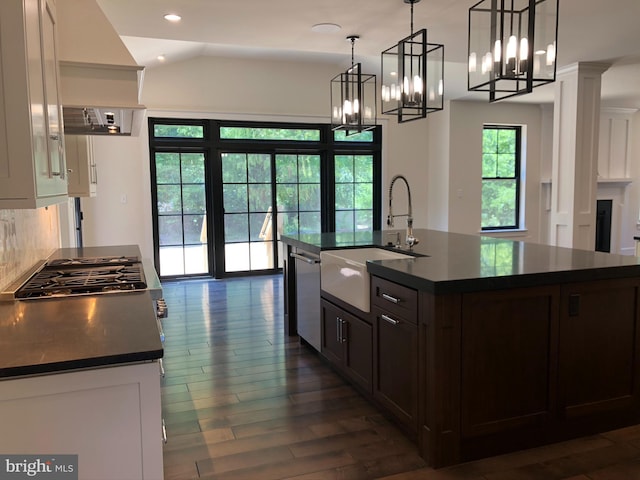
(465, 166)
(438, 175)
(120, 214)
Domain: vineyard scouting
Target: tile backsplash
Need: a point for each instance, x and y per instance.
(26, 236)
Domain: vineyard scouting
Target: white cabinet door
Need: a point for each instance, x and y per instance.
(55, 182)
(109, 417)
(82, 175)
(32, 171)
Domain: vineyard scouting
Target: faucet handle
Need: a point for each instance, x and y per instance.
(411, 241)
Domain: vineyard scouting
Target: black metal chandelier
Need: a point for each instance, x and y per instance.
(413, 76)
(512, 46)
(353, 98)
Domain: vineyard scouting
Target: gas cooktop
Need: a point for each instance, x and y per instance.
(124, 260)
(82, 276)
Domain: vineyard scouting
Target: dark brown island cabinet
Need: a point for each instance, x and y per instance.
(473, 361)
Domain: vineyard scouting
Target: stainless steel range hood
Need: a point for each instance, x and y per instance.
(100, 82)
(102, 121)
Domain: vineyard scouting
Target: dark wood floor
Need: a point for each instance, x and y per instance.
(242, 401)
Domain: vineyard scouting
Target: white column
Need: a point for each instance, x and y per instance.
(576, 128)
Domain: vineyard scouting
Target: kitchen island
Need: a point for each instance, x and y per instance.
(80, 375)
(489, 345)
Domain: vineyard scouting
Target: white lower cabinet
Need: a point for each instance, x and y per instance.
(110, 417)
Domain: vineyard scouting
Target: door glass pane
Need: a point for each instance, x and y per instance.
(167, 168)
(298, 195)
(309, 197)
(235, 198)
(169, 199)
(247, 197)
(181, 206)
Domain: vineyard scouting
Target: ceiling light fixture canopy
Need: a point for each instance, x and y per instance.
(413, 76)
(512, 46)
(353, 98)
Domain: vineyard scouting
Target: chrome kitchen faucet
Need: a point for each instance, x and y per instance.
(410, 240)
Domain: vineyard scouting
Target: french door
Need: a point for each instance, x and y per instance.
(263, 196)
(181, 213)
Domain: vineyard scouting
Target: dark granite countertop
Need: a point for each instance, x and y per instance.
(452, 262)
(56, 334)
(52, 335)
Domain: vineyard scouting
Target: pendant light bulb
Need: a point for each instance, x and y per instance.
(512, 47)
(524, 49)
(417, 85)
(551, 54)
(497, 51)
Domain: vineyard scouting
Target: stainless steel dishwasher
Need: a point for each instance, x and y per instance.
(308, 296)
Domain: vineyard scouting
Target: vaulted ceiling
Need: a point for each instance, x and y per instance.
(590, 31)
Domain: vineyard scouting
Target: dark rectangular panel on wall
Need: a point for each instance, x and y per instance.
(603, 225)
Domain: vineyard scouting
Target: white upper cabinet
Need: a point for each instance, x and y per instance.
(83, 177)
(32, 161)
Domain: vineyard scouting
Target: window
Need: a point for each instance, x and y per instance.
(354, 192)
(501, 146)
(254, 182)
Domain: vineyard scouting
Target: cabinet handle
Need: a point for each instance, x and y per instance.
(390, 298)
(161, 367)
(387, 318)
(344, 331)
(338, 327)
(164, 432)
(54, 136)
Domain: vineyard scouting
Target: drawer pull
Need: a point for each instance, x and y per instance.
(161, 364)
(390, 298)
(387, 318)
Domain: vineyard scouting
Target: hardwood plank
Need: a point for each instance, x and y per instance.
(245, 460)
(289, 468)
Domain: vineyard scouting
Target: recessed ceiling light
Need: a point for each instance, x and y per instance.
(172, 17)
(161, 58)
(326, 28)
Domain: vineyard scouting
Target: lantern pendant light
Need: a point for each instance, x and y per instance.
(413, 76)
(353, 98)
(512, 46)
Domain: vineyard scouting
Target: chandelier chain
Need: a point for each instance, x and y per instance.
(353, 43)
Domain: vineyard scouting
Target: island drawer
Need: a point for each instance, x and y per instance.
(395, 298)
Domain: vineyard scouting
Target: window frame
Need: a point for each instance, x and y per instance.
(517, 178)
(211, 143)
